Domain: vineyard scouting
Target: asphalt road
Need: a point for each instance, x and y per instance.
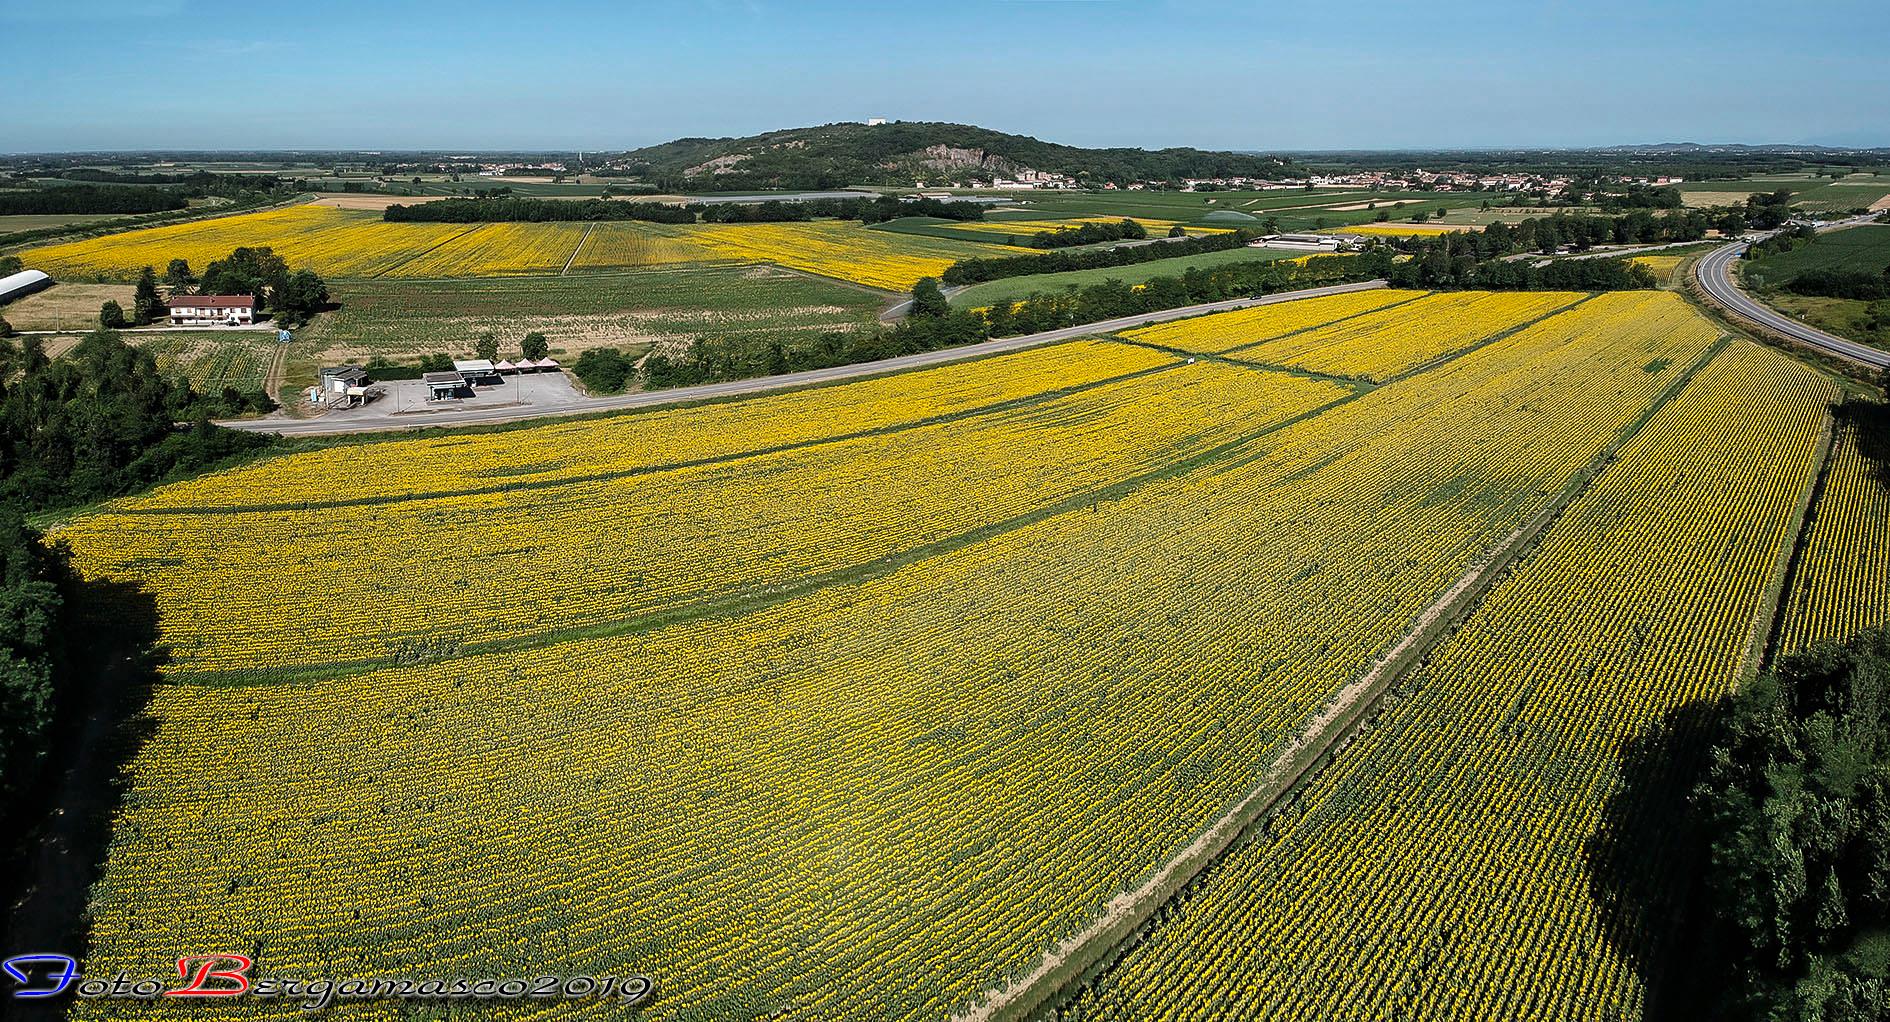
(618, 402)
(1713, 271)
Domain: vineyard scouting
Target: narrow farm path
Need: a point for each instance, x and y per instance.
(575, 249)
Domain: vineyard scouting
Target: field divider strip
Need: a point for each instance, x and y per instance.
(748, 599)
(994, 408)
(579, 247)
(1127, 915)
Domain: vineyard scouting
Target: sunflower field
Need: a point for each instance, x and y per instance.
(849, 702)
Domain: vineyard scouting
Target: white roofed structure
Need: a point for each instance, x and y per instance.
(23, 283)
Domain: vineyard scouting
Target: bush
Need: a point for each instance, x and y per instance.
(604, 370)
(111, 316)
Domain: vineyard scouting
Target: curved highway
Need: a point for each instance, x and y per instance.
(1714, 272)
(475, 416)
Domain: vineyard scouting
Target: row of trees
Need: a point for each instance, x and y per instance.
(977, 271)
(35, 582)
(526, 210)
(89, 199)
(1443, 266)
(1089, 234)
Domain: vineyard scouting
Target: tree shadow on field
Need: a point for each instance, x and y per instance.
(63, 825)
(1647, 861)
(1870, 421)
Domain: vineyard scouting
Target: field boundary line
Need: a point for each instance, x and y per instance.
(1348, 317)
(960, 415)
(747, 599)
(1067, 963)
(1768, 622)
(384, 271)
(575, 249)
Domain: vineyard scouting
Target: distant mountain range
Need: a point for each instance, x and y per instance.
(918, 152)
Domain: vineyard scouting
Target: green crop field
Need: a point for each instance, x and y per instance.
(401, 319)
(1015, 288)
(41, 221)
(1864, 248)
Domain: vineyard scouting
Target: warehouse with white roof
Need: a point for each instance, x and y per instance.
(21, 284)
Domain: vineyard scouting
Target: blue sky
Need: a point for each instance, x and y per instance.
(545, 74)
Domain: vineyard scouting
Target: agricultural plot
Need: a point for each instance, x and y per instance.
(615, 246)
(1457, 860)
(845, 250)
(865, 498)
(65, 306)
(1865, 249)
(1398, 230)
(871, 795)
(400, 318)
(1015, 289)
(493, 250)
(1226, 331)
(1841, 584)
(343, 243)
(1379, 345)
(337, 243)
(212, 361)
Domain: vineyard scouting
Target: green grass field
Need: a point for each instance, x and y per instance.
(1864, 248)
(41, 221)
(402, 319)
(1014, 288)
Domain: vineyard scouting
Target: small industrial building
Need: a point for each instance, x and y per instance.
(1299, 242)
(337, 379)
(444, 385)
(212, 310)
(21, 284)
(476, 370)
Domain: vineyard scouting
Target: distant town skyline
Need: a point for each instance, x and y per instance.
(474, 75)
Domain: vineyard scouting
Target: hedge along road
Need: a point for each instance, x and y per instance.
(1714, 274)
(464, 416)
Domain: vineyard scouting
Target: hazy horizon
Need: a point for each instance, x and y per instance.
(149, 75)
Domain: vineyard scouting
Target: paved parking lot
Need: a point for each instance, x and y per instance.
(405, 401)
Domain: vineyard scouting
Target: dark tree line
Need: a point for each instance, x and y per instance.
(35, 582)
(518, 210)
(1089, 234)
(865, 210)
(89, 199)
(977, 271)
(101, 420)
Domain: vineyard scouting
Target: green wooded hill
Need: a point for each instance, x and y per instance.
(907, 152)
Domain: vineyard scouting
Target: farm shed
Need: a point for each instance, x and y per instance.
(23, 283)
(443, 385)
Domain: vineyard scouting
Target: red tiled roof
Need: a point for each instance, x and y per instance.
(213, 302)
